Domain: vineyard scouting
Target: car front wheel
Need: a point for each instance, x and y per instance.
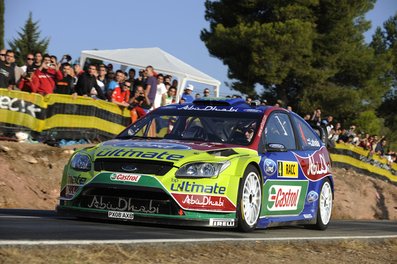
(249, 200)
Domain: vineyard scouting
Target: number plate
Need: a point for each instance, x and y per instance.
(121, 215)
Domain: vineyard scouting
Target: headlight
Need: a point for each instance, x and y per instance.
(202, 169)
(81, 162)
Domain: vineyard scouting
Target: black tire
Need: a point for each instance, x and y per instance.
(324, 206)
(249, 201)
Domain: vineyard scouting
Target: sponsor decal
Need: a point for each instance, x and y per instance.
(144, 144)
(313, 142)
(194, 187)
(18, 105)
(284, 197)
(208, 108)
(72, 179)
(222, 222)
(131, 153)
(307, 216)
(269, 167)
(124, 204)
(124, 177)
(287, 169)
(315, 166)
(121, 215)
(252, 110)
(312, 196)
(204, 202)
(71, 190)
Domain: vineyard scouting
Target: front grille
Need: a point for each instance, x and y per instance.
(127, 199)
(133, 166)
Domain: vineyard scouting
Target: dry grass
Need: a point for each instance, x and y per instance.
(380, 251)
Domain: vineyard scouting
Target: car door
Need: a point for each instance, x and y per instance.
(284, 188)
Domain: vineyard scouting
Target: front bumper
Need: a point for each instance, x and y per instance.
(218, 221)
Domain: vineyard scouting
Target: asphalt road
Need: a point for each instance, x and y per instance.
(33, 225)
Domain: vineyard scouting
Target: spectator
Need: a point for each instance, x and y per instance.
(137, 103)
(169, 97)
(161, 89)
(121, 94)
(38, 60)
(151, 85)
(186, 96)
(316, 117)
(65, 85)
(289, 108)
(44, 78)
(131, 79)
(101, 80)
(197, 96)
(114, 83)
(7, 72)
(3, 55)
(87, 82)
(307, 117)
(25, 83)
(248, 100)
(28, 64)
(77, 70)
(380, 147)
(141, 79)
(206, 92)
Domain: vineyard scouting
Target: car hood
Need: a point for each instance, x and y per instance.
(168, 150)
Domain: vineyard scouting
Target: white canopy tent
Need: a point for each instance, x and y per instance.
(161, 61)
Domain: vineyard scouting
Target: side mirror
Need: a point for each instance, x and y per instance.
(276, 147)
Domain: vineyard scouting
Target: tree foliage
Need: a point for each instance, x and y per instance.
(308, 53)
(29, 40)
(385, 44)
(2, 10)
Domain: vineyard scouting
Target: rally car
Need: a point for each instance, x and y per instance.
(214, 162)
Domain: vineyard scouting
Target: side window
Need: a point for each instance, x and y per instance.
(278, 129)
(307, 137)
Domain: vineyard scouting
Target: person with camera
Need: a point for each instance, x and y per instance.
(137, 103)
(44, 78)
(25, 83)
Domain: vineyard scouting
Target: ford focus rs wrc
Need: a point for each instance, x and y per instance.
(215, 162)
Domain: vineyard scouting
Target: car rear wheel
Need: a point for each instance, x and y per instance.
(249, 200)
(324, 208)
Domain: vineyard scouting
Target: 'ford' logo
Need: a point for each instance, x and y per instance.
(129, 168)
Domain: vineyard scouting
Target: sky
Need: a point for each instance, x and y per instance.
(172, 25)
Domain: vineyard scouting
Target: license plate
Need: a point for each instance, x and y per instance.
(120, 215)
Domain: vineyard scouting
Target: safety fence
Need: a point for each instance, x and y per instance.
(350, 156)
(60, 116)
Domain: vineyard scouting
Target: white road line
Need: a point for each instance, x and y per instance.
(146, 241)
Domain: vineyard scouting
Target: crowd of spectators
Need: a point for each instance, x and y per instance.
(375, 145)
(44, 74)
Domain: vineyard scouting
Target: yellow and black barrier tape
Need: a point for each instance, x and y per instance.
(57, 112)
(350, 156)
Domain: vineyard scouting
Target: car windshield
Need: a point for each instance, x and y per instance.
(208, 126)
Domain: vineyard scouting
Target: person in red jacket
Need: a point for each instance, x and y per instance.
(44, 78)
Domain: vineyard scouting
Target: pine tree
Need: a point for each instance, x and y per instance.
(29, 41)
(308, 53)
(2, 9)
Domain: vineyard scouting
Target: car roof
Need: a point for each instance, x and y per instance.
(228, 104)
